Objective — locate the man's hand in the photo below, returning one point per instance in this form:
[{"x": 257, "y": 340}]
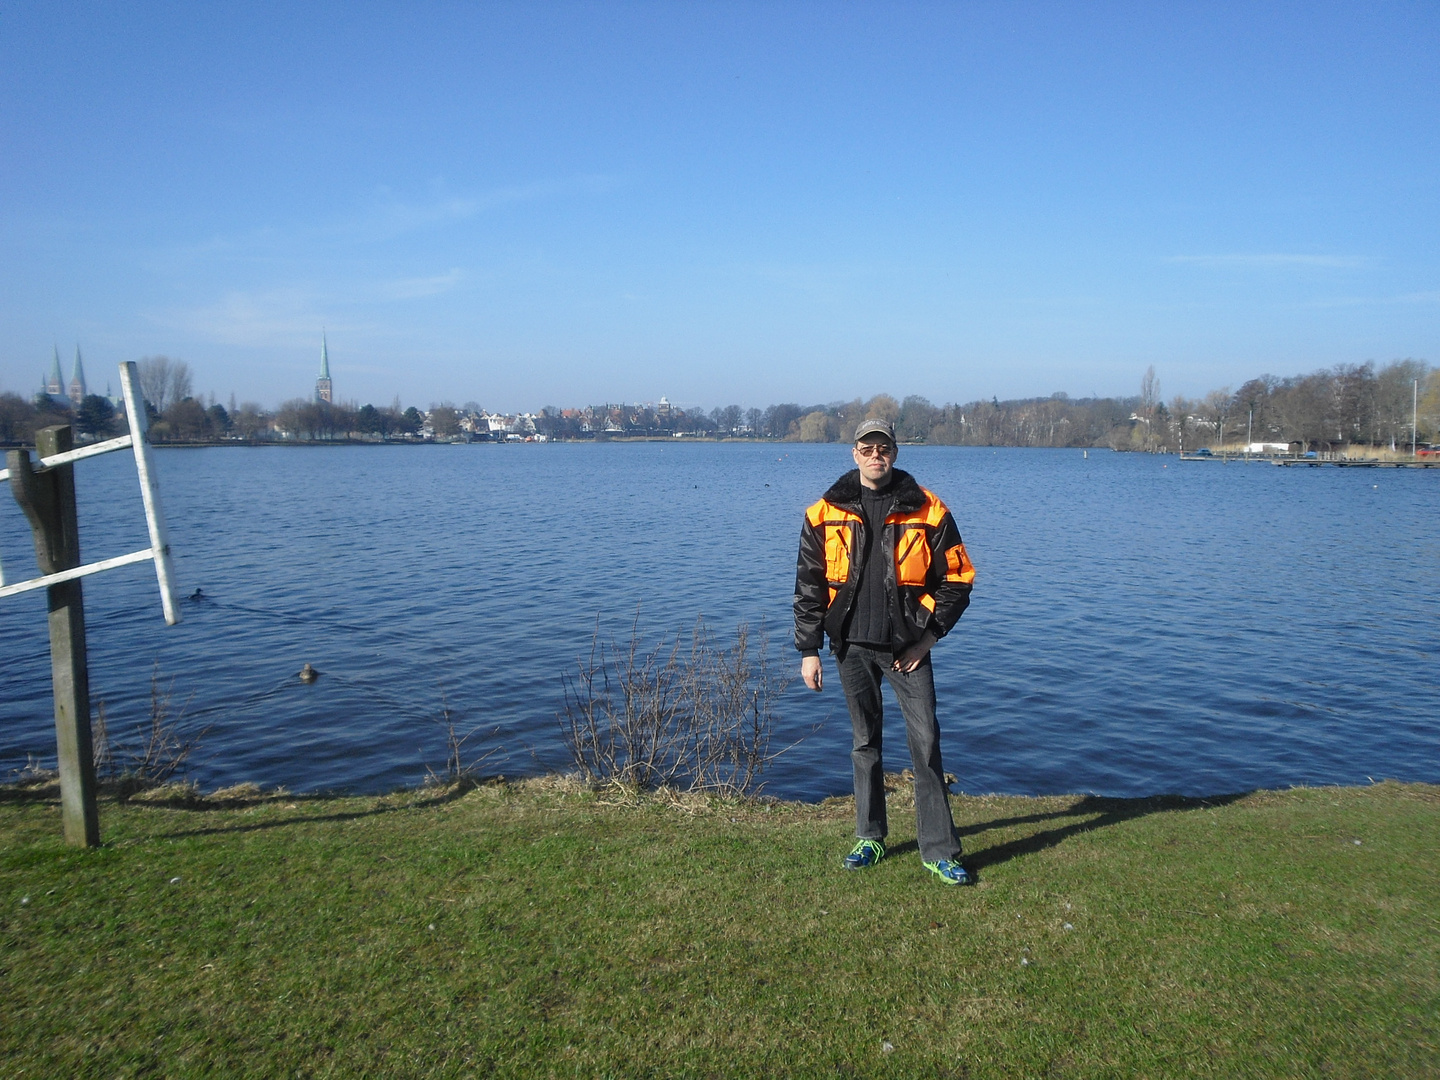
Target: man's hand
[
  {"x": 910, "y": 659},
  {"x": 812, "y": 672}
]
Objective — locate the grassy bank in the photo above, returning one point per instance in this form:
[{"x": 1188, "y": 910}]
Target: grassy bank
[{"x": 541, "y": 930}]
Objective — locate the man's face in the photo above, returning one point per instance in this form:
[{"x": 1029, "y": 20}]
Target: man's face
[{"x": 875, "y": 458}]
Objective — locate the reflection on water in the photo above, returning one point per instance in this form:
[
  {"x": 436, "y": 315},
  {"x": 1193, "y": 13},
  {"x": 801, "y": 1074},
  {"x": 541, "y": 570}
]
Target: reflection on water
[{"x": 1138, "y": 625}]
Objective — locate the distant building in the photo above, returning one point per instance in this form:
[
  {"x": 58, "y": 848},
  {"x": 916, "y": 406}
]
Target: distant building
[
  {"x": 323, "y": 389},
  {"x": 53, "y": 386},
  {"x": 77, "y": 380}
]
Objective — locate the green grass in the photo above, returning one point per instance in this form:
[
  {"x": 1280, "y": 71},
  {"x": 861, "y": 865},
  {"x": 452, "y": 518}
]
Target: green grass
[{"x": 536, "y": 930}]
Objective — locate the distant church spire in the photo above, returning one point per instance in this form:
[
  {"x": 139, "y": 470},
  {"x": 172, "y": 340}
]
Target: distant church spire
[
  {"x": 54, "y": 384},
  {"x": 77, "y": 380},
  {"x": 323, "y": 390}
]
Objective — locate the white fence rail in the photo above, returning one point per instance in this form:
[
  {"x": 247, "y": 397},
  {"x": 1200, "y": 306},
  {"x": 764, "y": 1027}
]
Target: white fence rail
[{"x": 159, "y": 550}]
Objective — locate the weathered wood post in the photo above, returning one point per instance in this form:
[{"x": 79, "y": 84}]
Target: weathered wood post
[{"x": 47, "y": 496}]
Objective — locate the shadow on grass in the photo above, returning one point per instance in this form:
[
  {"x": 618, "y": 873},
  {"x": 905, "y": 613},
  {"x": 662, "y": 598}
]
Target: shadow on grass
[
  {"x": 1098, "y": 813},
  {"x": 1108, "y": 812},
  {"x": 51, "y": 794},
  {"x": 33, "y": 792},
  {"x": 440, "y": 799}
]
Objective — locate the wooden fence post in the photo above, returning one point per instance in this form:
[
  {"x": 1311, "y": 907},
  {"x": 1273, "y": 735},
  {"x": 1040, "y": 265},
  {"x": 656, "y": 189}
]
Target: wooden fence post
[{"x": 48, "y": 498}]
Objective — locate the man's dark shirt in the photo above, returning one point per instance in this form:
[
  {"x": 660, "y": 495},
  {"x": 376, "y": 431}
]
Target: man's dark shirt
[{"x": 870, "y": 618}]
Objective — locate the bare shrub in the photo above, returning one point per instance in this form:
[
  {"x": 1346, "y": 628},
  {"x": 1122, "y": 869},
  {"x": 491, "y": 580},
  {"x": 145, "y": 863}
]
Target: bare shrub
[
  {"x": 101, "y": 752},
  {"x": 157, "y": 755},
  {"x": 456, "y": 769},
  {"x": 699, "y": 716}
]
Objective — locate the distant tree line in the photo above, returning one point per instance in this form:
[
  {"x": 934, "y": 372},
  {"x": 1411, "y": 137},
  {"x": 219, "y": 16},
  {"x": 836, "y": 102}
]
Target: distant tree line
[
  {"x": 602, "y": 421},
  {"x": 1346, "y": 405},
  {"x": 174, "y": 414},
  {"x": 1350, "y": 404}
]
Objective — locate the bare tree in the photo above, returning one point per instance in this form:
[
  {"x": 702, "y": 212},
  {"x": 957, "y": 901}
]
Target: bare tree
[
  {"x": 180, "y": 387},
  {"x": 1353, "y": 387},
  {"x": 778, "y": 418},
  {"x": 444, "y": 420},
  {"x": 163, "y": 381},
  {"x": 1253, "y": 400},
  {"x": 1149, "y": 393},
  {"x": 1429, "y": 407},
  {"x": 155, "y": 381},
  {"x": 726, "y": 419},
  {"x": 917, "y": 417},
  {"x": 17, "y": 418},
  {"x": 250, "y": 420},
  {"x": 1303, "y": 408},
  {"x": 1394, "y": 400},
  {"x": 295, "y": 418},
  {"x": 1216, "y": 410},
  {"x": 1181, "y": 411}
]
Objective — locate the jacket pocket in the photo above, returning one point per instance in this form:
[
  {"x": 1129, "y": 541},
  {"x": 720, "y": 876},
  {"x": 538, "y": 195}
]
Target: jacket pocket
[
  {"x": 837, "y": 553},
  {"x": 912, "y": 557}
]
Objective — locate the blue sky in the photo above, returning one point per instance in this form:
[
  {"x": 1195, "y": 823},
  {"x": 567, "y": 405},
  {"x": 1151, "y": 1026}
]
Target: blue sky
[{"x": 530, "y": 204}]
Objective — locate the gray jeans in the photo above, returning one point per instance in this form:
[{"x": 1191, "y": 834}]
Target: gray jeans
[{"x": 860, "y": 674}]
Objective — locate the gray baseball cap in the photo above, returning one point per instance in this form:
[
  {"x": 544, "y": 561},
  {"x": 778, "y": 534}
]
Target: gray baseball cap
[{"x": 875, "y": 427}]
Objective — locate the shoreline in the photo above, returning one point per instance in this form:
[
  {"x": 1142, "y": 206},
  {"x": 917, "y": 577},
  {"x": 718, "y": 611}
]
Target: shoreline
[
  {"x": 1370, "y": 457},
  {"x": 187, "y": 794}
]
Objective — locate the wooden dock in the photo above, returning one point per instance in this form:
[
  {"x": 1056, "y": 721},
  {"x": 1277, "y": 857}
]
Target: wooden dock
[{"x": 1315, "y": 463}]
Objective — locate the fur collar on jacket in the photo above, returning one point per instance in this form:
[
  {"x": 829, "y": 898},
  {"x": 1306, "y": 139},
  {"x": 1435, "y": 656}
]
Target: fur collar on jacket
[{"x": 908, "y": 495}]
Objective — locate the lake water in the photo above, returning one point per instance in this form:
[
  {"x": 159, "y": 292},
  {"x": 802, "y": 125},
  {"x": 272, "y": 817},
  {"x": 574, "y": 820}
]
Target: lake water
[{"x": 1139, "y": 625}]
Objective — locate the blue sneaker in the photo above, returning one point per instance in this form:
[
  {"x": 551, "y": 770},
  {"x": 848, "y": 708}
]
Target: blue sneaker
[
  {"x": 949, "y": 871},
  {"x": 865, "y": 854}
]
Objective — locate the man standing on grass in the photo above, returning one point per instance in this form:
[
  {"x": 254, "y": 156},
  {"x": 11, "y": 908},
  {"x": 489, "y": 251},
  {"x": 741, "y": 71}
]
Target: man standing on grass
[{"x": 882, "y": 571}]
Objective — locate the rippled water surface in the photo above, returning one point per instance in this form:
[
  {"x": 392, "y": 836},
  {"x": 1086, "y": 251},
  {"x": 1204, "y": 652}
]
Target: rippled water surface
[{"x": 1139, "y": 625}]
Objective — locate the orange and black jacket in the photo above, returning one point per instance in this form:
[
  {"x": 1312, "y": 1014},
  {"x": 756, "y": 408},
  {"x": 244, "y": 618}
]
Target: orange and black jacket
[{"x": 928, "y": 576}]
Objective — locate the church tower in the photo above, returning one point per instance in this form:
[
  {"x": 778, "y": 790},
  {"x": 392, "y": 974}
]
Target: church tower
[
  {"x": 77, "y": 380},
  {"x": 54, "y": 385},
  {"x": 323, "y": 390}
]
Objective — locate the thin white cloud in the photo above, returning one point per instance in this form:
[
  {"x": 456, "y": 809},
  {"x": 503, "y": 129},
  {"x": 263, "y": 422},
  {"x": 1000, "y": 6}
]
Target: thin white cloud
[
  {"x": 272, "y": 317},
  {"x": 281, "y": 316},
  {"x": 1274, "y": 260},
  {"x": 383, "y": 216},
  {"x": 389, "y": 217},
  {"x": 418, "y": 287},
  {"x": 1422, "y": 298}
]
